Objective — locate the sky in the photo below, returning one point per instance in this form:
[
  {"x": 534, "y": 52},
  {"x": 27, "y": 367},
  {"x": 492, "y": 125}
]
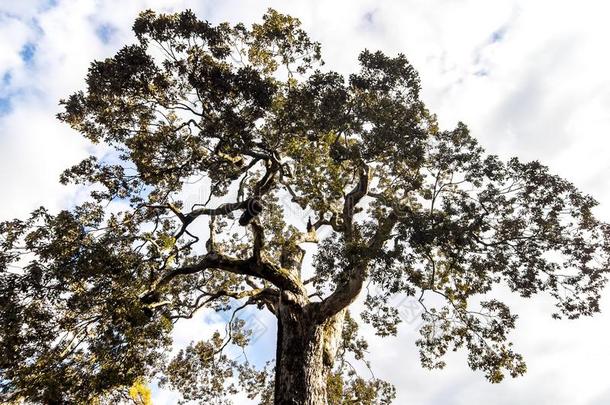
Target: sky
[{"x": 529, "y": 77}]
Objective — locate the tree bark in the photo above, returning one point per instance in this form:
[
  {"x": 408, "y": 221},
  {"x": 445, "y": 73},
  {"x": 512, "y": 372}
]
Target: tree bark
[{"x": 306, "y": 350}]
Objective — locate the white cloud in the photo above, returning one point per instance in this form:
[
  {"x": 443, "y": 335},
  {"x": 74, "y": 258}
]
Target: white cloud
[{"x": 529, "y": 78}]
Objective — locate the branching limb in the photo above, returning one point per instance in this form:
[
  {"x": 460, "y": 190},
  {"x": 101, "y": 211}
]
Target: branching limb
[
  {"x": 247, "y": 267},
  {"x": 259, "y": 240},
  {"x": 265, "y": 296},
  {"x": 352, "y": 199},
  {"x": 348, "y": 290}
]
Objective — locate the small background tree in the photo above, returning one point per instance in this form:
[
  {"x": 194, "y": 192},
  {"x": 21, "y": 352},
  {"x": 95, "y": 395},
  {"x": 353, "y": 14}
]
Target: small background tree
[{"x": 393, "y": 203}]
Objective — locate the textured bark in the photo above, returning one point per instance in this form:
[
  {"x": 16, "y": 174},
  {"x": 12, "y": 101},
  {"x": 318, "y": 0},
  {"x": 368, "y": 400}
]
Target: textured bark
[{"x": 305, "y": 354}]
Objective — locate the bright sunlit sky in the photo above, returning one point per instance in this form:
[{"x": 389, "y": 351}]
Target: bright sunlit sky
[{"x": 529, "y": 77}]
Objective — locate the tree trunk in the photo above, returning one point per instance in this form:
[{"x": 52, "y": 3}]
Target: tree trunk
[{"x": 306, "y": 350}]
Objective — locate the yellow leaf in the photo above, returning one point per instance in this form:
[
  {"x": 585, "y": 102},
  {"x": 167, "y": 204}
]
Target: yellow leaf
[{"x": 140, "y": 393}]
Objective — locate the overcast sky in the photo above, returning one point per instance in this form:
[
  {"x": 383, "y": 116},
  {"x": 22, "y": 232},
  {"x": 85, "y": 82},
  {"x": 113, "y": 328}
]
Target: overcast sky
[{"x": 529, "y": 77}]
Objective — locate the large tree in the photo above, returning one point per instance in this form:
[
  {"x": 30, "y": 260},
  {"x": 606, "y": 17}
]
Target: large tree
[{"x": 89, "y": 295}]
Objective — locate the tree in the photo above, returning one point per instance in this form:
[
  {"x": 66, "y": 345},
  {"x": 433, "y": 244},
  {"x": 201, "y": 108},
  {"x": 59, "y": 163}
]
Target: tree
[{"x": 89, "y": 295}]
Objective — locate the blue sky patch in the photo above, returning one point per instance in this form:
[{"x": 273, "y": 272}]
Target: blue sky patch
[
  {"x": 27, "y": 53},
  {"x": 5, "y": 105},
  {"x": 5, "y": 99},
  {"x": 105, "y": 32},
  {"x": 6, "y": 78}
]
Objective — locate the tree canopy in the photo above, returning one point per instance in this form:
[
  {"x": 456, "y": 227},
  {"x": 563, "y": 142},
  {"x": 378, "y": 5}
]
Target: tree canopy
[{"x": 89, "y": 296}]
